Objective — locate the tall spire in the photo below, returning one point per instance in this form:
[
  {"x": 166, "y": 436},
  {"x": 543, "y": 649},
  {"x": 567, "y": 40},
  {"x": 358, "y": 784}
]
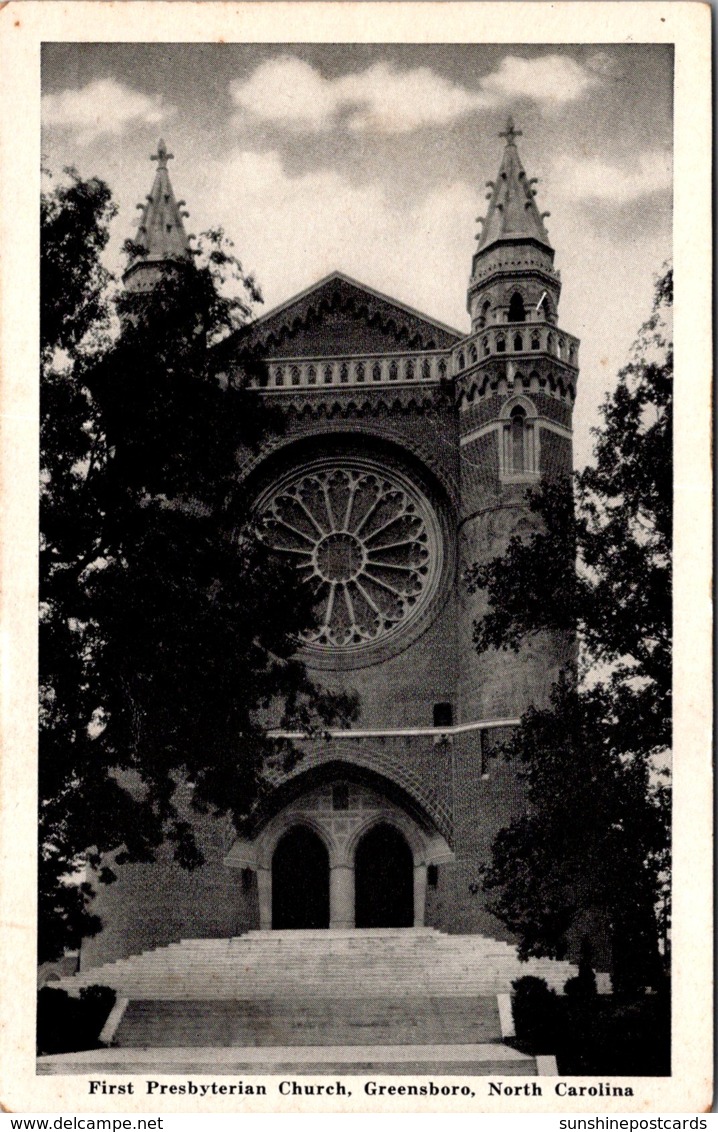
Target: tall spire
[
  {"x": 512, "y": 213},
  {"x": 161, "y": 234}
]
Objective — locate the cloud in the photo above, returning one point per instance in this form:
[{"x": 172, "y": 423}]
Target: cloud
[
  {"x": 546, "y": 79},
  {"x": 320, "y": 223},
  {"x": 104, "y": 106},
  {"x": 290, "y": 93},
  {"x": 388, "y": 101},
  {"x": 287, "y": 91},
  {"x": 592, "y": 179}
]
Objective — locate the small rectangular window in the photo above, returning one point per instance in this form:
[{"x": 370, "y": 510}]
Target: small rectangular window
[
  {"x": 443, "y": 715},
  {"x": 340, "y": 796}
]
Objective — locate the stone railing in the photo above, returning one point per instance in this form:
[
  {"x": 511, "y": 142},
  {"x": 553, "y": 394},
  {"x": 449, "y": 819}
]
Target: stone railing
[
  {"x": 515, "y": 338},
  {"x": 412, "y": 367},
  {"x": 419, "y": 367}
]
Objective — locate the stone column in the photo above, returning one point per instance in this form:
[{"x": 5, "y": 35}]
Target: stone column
[
  {"x": 341, "y": 896},
  {"x": 419, "y": 895},
  {"x": 264, "y": 893}
]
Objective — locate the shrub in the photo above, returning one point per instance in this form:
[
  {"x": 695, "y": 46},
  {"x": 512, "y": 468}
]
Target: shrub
[
  {"x": 65, "y": 1024},
  {"x": 535, "y": 1014}
]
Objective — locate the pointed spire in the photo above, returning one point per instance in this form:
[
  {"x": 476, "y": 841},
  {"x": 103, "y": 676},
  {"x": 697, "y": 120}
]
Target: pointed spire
[
  {"x": 512, "y": 213},
  {"x": 161, "y": 232}
]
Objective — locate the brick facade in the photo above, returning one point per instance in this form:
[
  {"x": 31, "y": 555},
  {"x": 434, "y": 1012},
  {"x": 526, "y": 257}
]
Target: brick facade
[{"x": 454, "y": 430}]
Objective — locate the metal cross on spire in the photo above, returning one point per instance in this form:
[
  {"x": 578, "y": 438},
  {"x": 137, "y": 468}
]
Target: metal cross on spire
[
  {"x": 162, "y": 156},
  {"x": 510, "y": 132}
]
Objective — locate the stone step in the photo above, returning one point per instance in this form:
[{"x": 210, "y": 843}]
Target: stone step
[
  {"x": 326, "y": 965},
  {"x": 189, "y": 1065},
  {"x": 309, "y": 1022},
  {"x": 350, "y": 934},
  {"x": 224, "y": 988},
  {"x": 484, "y": 1059}
]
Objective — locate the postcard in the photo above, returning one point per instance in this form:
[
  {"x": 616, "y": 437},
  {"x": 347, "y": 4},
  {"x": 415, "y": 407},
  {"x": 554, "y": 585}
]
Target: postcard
[{"x": 356, "y": 557}]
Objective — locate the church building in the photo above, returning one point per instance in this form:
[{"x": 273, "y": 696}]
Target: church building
[{"x": 406, "y": 458}]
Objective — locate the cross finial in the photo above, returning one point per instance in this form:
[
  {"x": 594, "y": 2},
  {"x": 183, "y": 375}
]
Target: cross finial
[
  {"x": 162, "y": 156},
  {"x": 510, "y": 133}
]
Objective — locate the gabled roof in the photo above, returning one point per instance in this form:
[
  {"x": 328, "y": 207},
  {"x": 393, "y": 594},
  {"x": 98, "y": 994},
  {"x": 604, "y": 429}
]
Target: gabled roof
[
  {"x": 512, "y": 213},
  {"x": 161, "y": 231},
  {"x": 339, "y": 316}
]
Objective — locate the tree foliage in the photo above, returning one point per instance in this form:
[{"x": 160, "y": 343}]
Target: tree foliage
[
  {"x": 168, "y": 631},
  {"x": 593, "y": 837},
  {"x": 599, "y": 562}
]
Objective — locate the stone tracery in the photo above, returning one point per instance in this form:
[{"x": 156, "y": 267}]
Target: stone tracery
[{"x": 365, "y": 538}]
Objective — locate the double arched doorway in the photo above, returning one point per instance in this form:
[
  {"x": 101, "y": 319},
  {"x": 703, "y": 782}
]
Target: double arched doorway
[
  {"x": 383, "y": 874},
  {"x": 341, "y": 854}
]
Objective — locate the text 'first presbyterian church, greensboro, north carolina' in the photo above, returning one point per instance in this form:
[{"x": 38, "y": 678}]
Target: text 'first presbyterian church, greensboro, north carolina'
[{"x": 407, "y": 454}]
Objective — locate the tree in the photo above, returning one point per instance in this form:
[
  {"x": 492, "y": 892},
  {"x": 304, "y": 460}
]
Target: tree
[
  {"x": 595, "y": 833},
  {"x": 593, "y": 838},
  {"x": 168, "y": 629}
]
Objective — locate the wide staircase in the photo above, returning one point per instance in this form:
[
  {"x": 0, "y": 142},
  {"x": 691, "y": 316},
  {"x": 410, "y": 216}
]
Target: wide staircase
[{"x": 357, "y": 1001}]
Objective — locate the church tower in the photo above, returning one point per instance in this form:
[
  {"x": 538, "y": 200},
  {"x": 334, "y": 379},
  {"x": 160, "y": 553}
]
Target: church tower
[
  {"x": 514, "y": 387},
  {"x": 516, "y": 378},
  {"x": 407, "y": 452}
]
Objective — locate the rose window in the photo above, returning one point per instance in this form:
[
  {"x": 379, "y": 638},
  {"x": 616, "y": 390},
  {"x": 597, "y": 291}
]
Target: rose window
[{"x": 368, "y": 540}]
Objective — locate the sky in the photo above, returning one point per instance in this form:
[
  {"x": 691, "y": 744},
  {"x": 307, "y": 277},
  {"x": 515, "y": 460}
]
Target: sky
[{"x": 372, "y": 159}]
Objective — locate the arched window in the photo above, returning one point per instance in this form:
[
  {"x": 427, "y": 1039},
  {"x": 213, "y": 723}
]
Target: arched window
[
  {"x": 550, "y": 344},
  {"x": 517, "y": 311},
  {"x": 409, "y": 372},
  {"x": 500, "y": 345},
  {"x": 462, "y": 363},
  {"x": 535, "y": 342},
  {"x": 518, "y": 342},
  {"x": 294, "y": 374},
  {"x": 486, "y": 348},
  {"x": 340, "y": 796},
  {"x": 328, "y": 375},
  {"x": 376, "y": 372},
  {"x": 561, "y": 348},
  {"x": 442, "y": 369},
  {"x": 472, "y": 353},
  {"x": 393, "y": 372},
  {"x": 545, "y": 308},
  {"x": 484, "y": 316},
  {"x": 518, "y": 439},
  {"x": 425, "y": 369},
  {"x": 344, "y": 373},
  {"x": 279, "y": 376},
  {"x": 572, "y": 353},
  {"x": 312, "y": 376},
  {"x": 360, "y": 371}
]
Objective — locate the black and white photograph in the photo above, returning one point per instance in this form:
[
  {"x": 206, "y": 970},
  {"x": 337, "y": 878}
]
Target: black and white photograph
[{"x": 355, "y": 553}]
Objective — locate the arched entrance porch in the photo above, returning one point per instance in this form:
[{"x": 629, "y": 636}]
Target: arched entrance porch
[{"x": 377, "y": 853}]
